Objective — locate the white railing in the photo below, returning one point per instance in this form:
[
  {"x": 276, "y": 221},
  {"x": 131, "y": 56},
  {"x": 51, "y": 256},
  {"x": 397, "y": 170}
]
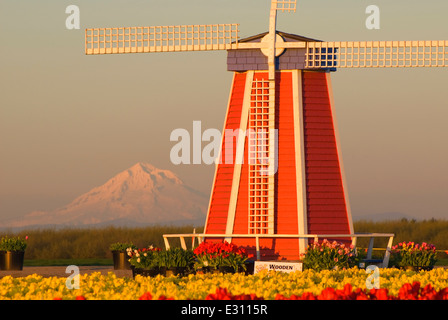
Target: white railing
[{"x": 354, "y": 237}]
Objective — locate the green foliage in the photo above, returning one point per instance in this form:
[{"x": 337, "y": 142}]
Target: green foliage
[
  {"x": 12, "y": 244},
  {"x": 236, "y": 261},
  {"x": 176, "y": 257},
  {"x": 155, "y": 258},
  {"x": 119, "y": 246}
]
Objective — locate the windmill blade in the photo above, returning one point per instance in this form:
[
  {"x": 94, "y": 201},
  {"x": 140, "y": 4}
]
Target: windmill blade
[
  {"x": 286, "y": 5},
  {"x": 377, "y": 54},
  {"x": 161, "y": 39}
]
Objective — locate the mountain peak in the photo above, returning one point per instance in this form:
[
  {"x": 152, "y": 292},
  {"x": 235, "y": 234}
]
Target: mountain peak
[
  {"x": 142, "y": 193},
  {"x": 145, "y": 170},
  {"x": 143, "y": 166}
]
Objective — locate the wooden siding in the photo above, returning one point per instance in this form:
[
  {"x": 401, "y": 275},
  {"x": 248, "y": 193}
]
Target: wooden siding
[
  {"x": 219, "y": 203},
  {"x": 326, "y": 206},
  {"x": 327, "y": 210}
]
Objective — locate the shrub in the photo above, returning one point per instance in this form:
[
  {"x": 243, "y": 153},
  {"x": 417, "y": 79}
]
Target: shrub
[
  {"x": 119, "y": 246},
  {"x": 144, "y": 258},
  {"x": 217, "y": 254},
  {"x": 327, "y": 256},
  {"x": 176, "y": 257},
  {"x": 13, "y": 244},
  {"x": 414, "y": 255}
]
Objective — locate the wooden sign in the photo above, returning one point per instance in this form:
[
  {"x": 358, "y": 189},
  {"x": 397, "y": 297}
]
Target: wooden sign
[{"x": 277, "y": 266}]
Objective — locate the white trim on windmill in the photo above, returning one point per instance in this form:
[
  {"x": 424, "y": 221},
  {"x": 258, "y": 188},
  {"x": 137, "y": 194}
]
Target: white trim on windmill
[{"x": 239, "y": 157}]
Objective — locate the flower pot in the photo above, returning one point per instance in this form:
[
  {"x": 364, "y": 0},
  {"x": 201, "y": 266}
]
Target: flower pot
[
  {"x": 151, "y": 272},
  {"x": 11, "y": 260},
  {"x": 202, "y": 270},
  {"x": 175, "y": 271},
  {"x": 214, "y": 271},
  {"x": 429, "y": 268},
  {"x": 170, "y": 272},
  {"x": 146, "y": 272},
  {"x": 136, "y": 271},
  {"x": 226, "y": 269},
  {"x": 417, "y": 268},
  {"x": 409, "y": 268},
  {"x": 250, "y": 266},
  {"x": 180, "y": 271},
  {"x": 120, "y": 259}
]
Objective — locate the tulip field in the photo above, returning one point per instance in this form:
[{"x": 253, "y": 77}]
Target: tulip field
[{"x": 349, "y": 284}]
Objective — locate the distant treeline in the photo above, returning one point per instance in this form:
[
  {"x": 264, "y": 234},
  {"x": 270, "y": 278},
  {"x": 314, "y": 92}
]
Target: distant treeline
[
  {"x": 81, "y": 243},
  {"x": 431, "y": 231}
]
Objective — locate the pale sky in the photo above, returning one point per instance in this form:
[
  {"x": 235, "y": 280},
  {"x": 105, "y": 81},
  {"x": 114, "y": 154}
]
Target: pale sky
[{"x": 69, "y": 122}]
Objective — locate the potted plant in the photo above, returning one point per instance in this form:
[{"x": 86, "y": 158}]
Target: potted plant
[
  {"x": 329, "y": 255},
  {"x": 176, "y": 261},
  {"x": 206, "y": 257},
  {"x": 12, "y": 252},
  {"x": 234, "y": 261},
  {"x": 119, "y": 255},
  {"x": 220, "y": 256},
  {"x": 144, "y": 261},
  {"x": 414, "y": 256}
]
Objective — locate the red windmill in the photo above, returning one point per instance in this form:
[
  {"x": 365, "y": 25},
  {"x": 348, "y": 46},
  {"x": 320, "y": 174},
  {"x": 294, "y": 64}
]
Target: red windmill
[{"x": 280, "y": 177}]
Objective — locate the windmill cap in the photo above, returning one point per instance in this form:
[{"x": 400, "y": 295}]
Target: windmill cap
[
  {"x": 287, "y": 36},
  {"x": 241, "y": 60}
]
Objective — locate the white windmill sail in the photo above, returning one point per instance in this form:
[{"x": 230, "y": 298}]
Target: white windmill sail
[
  {"x": 161, "y": 39},
  {"x": 377, "y": 54},
  {"x": 285, "y": 5}
]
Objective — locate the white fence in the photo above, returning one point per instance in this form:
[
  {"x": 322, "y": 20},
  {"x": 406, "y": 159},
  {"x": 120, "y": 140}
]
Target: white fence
[{"x": 354, "y": 237}]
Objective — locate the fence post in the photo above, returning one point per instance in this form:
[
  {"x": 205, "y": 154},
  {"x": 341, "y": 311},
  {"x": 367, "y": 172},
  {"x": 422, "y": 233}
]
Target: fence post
[
  {"x": 182, "y": 243},
  {"x": 193, "y": 238},
  {"x": 167, "y": 244},
  {"x": 257, "y": 247},
  {"x": 354, "y": 242},
  {"x": 387, "y": 253},
  {"x": 369, "y": 251}
]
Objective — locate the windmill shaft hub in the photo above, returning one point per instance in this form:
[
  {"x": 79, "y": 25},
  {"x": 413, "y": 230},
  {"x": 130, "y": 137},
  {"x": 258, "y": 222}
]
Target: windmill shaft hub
[{"x": 266, "y": 45}]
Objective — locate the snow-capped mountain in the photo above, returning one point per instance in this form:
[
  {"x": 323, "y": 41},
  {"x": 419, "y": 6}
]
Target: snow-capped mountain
[{"x": 142, "y": 194}]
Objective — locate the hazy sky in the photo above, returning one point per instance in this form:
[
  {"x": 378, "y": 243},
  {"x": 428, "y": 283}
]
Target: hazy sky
[{"x": 69, "y": 122}]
